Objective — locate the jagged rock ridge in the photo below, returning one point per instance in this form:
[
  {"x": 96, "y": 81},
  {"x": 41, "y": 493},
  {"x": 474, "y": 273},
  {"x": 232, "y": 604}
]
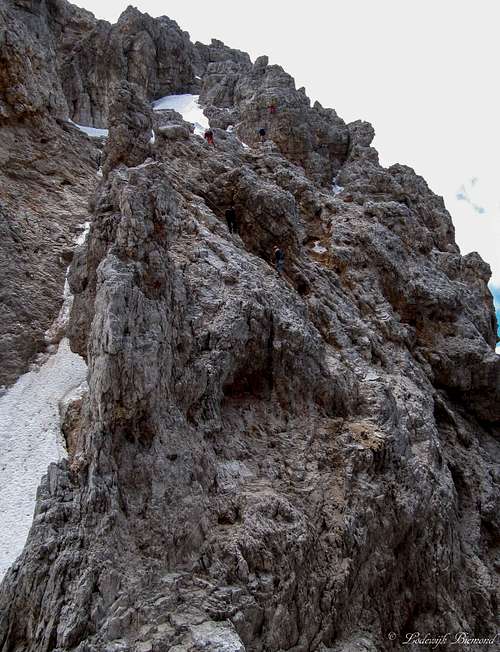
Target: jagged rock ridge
[{"x": 262, "y": 462}]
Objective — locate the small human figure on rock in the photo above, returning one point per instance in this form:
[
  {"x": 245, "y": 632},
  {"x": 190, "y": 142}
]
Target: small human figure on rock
[
  {"x": 262, "y": 134},
  {"x": 279, "y": 259},
  {"x": 272, "y": 107},
  {"x": 232, "y": 222},
  {"x": 209, "y": 137}
]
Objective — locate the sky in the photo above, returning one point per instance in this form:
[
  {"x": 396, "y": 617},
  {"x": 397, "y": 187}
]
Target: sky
[{"x": 423, "y": 72}]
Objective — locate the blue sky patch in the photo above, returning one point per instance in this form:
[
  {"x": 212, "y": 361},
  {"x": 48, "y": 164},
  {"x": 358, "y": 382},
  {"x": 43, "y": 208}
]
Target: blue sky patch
[{"x": 495, "y": 291}]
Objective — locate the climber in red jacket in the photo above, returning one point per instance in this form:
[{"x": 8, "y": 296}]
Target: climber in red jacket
[
  {"x": 209, "y": 137},
  {"x": 272, "y": 107}
]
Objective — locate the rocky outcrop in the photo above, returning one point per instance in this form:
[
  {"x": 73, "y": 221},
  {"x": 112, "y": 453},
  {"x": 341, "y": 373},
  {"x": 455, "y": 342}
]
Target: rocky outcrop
[
  {"x": 440, "y": 294},
  {"x": 265, "y": 462},
  {"x": 264, "y": 97},
  {"x": 152, "y": 53},
  {"x": 217, "y": 51},
  {"x": 130, "y": 129},
  {"x": 86, "y": 58},
  {"x": 29, "y": 86},
  {"x": 46, "y": 167}
]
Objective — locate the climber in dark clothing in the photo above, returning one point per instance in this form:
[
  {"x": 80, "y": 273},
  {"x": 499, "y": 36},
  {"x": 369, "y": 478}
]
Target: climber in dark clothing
[
  {"x": 279, "y": 259},
  {"x": 232, "y": 223},
  {"x": 209, "y": 137},
  {"x": 262, "y": 134}
]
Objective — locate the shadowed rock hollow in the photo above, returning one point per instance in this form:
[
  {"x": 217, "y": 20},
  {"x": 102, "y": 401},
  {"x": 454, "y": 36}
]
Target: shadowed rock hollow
[{"x": 262, "y": 462}]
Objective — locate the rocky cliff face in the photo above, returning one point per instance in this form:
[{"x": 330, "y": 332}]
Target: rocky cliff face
[
  {"x": 262, "y": 462},
  {"x": 151, "y": 52},
  {"x": 46, "y": 168}
]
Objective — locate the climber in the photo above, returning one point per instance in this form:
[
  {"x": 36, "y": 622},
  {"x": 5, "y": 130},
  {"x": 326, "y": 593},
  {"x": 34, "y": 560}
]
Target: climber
[
  {"x": 262, "y": 134},
  {"x": 209, "y": 137},
  {"x": 279, "y": 259},
  {"x": 272, "y": 107},
  {"x": 232, "y": 223}
]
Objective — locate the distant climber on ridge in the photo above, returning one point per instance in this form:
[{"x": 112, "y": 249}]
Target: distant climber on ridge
[
  {"x": 262, "y": 134},
  {"x": 232, "y": 223},
  {"x": 209, "y": 137},
  {"x": 279, "y": 259}
]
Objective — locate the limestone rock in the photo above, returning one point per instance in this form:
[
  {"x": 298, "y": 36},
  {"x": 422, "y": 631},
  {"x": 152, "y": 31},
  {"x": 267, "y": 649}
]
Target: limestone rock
[
  {"x": 262, "y": 461},
  {"x": 313, "y": 137},
  {"x": 45, "y": 173},
  {"x": 130, "y": 128},
  {"x": 29, "y": 86},
  {"x": 151, "y": 53}
]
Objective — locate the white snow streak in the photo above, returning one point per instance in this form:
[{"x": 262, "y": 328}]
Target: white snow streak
[
  {"x": 230, "y": 130},
  {"x": 188, "y": 106},
  {"x": 318, "y": 248},
  {"x": 30, "y": 435},
  {"x": 93, "y": 132},
  {"x": 30, "y": 440},
  {"x": 61, "y": 320},
  {"x": 335, "y": 188}
]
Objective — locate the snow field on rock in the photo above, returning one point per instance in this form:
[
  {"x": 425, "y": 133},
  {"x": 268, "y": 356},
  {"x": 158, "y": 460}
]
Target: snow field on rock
[
  {"x": 93, "y": 132},
  {"x": 30, "y": 434},
  {"x": 188, "y": 106}
]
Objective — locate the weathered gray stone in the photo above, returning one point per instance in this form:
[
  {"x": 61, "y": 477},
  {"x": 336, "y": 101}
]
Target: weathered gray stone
[
  {"x": 152, "y": 53},
  {"x": 130, "y": 128},
  {"x": 46, "y": 170},
  {"x": 264, "y": 462},
  {"x": 313, "y": 137}
]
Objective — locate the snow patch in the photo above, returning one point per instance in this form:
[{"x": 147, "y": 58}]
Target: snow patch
[
  {"x": 30, "y": 439},
  {"x": 231, "y": 130},
  {"x": 93, "y": 132},
  {"x": 319, "y": 248},
  {"x": 59, "y": 325},
  {"x": 153, "y": 138},
  {"x": 79, "y": 240},
  {"x": 30, "y": 431},
  {"x": 336, "y": 189},
  {"x": 188, "y": 106}
]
